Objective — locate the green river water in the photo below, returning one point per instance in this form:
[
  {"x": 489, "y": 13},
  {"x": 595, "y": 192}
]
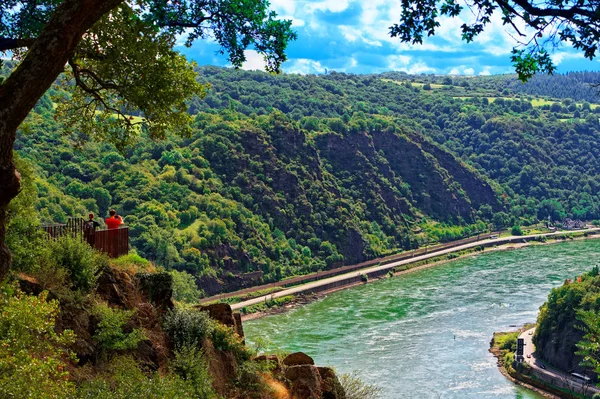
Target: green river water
[{"x": 426, "y": 334}]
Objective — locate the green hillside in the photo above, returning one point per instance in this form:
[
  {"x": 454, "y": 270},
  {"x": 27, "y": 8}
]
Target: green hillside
[{"x": 287, "y": 174}]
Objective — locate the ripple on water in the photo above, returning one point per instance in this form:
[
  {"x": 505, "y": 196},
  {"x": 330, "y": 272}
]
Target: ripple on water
[{"x": 426, "y": 334}]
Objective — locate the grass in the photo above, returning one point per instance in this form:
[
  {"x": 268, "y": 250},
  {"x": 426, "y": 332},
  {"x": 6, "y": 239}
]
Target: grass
[
  {"x": 490, "y": 99},
  {"x": 503, "y": 339},
  {"x": 193, "y": 226},
  {"x": 415, "y": 84}
]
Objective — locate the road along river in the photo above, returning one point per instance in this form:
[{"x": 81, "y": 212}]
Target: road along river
[{"x": 426, "y": 334}]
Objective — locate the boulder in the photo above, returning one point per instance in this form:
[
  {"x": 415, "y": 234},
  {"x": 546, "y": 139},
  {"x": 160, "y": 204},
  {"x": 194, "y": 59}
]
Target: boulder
[
  {"x": 222, "y": 313},
  {"x": 305, "y": 381},
  {"x": 330, "y": 384},
  {"x": 298, "y": 359}
]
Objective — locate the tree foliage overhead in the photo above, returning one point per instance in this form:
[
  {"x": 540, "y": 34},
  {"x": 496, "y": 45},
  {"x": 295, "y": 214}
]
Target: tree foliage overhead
[
  {"x": 121, "y": 64},
  {"x": 125, "y": 64},
  {"x": 539, "y": 26}
]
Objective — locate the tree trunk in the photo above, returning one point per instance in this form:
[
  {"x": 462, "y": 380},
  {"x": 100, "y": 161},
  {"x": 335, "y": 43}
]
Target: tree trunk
[{"x": 19, "y": 93}]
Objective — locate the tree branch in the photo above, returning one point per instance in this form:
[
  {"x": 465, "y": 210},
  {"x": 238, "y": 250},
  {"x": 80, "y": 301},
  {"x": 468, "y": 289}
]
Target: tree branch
[
  {"x": 566, "y": 13},
  {"x": 7, "y": 43}
]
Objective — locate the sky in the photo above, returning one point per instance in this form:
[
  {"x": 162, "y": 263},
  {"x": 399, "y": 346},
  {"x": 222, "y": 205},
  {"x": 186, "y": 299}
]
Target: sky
[{"x": 352, "y": 36}]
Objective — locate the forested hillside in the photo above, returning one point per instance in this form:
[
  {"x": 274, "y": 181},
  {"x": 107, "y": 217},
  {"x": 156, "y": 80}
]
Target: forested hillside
[{"x": 287, "y": 174}]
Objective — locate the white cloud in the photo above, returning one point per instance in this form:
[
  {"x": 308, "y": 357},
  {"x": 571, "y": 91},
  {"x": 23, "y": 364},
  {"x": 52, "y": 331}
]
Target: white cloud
[
  {"x": 296, "y": 22},
  {"x": 486, "y": 71},
  {"x": 327, "y": 5},
  {"x": 303, "y": 66},
  {"x": 396, "y": 62},
  {"x": 469, "y": 71},
  {"x": 560, "y": 56},
  {"x": 417, "y": 68},
  {"x": 286, "y": 7},
  {"x": 254, "y": 61},
  {"x": 454, "y": 71},
  {"x": 405, "y": 63},
  {"x": 352, "y": 35}
]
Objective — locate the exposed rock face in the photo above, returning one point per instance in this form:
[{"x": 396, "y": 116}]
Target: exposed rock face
[
  {"x": 298, "y": 359},
  {"x": 559, "y": 349},
  {"x": 222, "y": 365},
  {"x": 305, "y": 380},
  {"x": 330, "y": 384},
  {"x": 156, "y": 288},
  {"x": 222, "y": 313}
]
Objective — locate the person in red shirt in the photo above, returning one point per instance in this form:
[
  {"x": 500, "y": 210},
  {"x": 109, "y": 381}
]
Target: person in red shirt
[{"x": 114, "y": 220}]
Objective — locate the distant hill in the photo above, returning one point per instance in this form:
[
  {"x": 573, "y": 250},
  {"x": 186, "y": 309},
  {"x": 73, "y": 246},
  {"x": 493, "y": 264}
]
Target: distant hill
[{"x": 286, "y": 174}]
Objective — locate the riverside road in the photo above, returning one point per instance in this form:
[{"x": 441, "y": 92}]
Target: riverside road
[
  {"x": 550, "y": 374},
  {"x": 351, "y": 277}
]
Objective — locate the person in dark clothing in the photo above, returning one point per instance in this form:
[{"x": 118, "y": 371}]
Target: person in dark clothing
[{"x": 89, "y": 229}]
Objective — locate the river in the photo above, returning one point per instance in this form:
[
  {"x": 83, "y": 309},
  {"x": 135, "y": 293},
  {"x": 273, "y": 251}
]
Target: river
[{"x": 426, "y": 334}]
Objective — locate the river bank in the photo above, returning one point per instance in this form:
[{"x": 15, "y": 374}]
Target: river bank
[
  {"x": 306, "y": 298},
  {"x": 507, "y": 370}
]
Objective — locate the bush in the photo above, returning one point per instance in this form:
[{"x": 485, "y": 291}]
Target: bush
[
  {"x": 185, "y": 288},
  {"x": 32, "y": 355},
  {"x": 187, "y": 327},
  {"x": 355, "y": 388},
  {"x": 191, "y": 365},
  {"x": 127, "y": 381},
  {"x": 81, "y": 261},
  {"x": 225, "y": 339},
  {"x": 516, "y": 230},
  {"x": 133, "y": 263},
  {"x": 109, "y": 332}
]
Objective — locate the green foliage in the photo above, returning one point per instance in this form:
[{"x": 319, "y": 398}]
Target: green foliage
[
  {"x": 133, "y": 263},
  {"x": 237, "y": 197},
  {"x": 110, "y": 334},
  {"x": 226, "y": 339},
  {"x": 81, "y": 261},
  {"x": 188, "y": 327},
  {"x": 24, "y": 237},
  {"x": 569, "y": 309},
  {"x": 516, "y": 230},
  {"x": 33, "y": 356},
  {"x": 589, "y": 346},
  {"x": 191, "y": 365},
  {"x": 185, "y": 288},
  {"x": 507, "y": 342},
  {"x": 271, "y": 303},
  {"x": 577, "y": 26},
  {"x": 125, "y": 380}
]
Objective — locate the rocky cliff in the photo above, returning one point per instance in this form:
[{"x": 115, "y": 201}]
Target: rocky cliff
[
  {"x": 558, "y": 329},
  {"x": 148, "y": 295}
]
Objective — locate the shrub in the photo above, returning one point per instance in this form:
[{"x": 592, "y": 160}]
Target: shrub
[
  {"x": 109, "y": 333},
  {"x": 225, "y": 339},
  {"x": 81, "y": 261},
  {"x": 191, "y": 365},
  {"x": 516, "y": 230},
  {"x": 185, "y": 288},
  {"x": 127, "y": 381},
  {"x": 510, "y": 343},
  {"x": 187, "y": 327},
  {"x": 32, "y": 355},
  {"x": 133, "y": 263},
  {"x": 364, "y": 278},
  {"x": 354, "y": 388}
]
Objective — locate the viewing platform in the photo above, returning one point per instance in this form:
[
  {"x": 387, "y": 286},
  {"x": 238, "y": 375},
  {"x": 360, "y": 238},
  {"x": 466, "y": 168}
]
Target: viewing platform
[{"x": 113, "y": 242}]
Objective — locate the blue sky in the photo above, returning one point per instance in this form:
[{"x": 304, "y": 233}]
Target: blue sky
[{"x": 352, "y": 36}]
